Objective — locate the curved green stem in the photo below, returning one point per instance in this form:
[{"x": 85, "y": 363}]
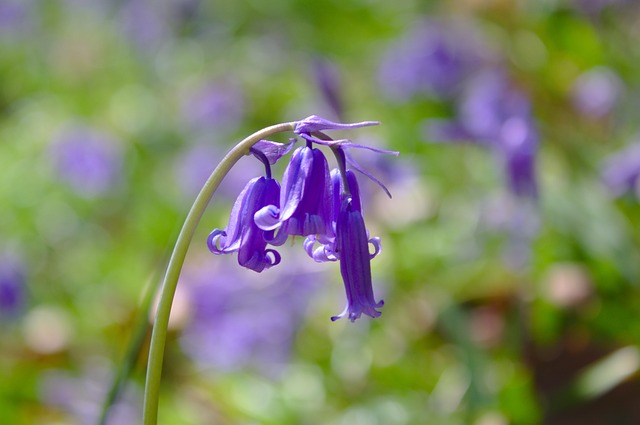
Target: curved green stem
[{"x": 159, "y": 334}]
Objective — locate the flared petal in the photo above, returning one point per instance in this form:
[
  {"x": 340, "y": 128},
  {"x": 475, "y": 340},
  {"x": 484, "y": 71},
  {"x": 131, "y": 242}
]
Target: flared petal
[{"x": 321, "y": 254}]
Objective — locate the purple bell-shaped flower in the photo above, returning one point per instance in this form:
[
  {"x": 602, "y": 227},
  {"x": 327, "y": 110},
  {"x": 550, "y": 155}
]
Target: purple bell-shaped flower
[{"x": 351, "y": 248}]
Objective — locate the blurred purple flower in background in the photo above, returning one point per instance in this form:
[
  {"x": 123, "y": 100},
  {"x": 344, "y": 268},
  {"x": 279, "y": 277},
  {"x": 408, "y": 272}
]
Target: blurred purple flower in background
[
  {"x": 81, "y": 396},
  {"x": 12, "y": 287},
  {"x": 145, "y": 24},
  {"x": 194, "y": 166},
  {"x": 240, "y": 319},
  {"x": 595, "y": 7},
  {"x": 16, "y": 18},
  {"x": 519, "y": 146},
  {"x": 494, "y": 114},
  {"x": 621, "y": 171},
  {"x": 327, "y": 77},
  {"x": 433, "y": 59},
  {"x": 88, "y": 160},
  {"x": 213, "y": 106},
  {"x": 596, "y": 91}
]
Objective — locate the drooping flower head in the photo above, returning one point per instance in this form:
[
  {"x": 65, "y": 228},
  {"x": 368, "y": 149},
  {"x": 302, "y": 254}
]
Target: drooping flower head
[{"x": 324, "y": 207}]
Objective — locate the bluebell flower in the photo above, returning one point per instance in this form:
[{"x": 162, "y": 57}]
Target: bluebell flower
[
  {"x": 324, "y": 207},
  {"x": 350, "y": 247},
  {"x": 242, "y": 235},
  {"x": 304, "y": 207}
]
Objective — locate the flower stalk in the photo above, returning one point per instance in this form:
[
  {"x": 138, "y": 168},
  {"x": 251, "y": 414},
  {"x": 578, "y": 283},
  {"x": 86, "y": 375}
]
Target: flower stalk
[{"x": 170, "y": 282}]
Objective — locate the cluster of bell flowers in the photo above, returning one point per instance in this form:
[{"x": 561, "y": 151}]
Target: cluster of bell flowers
[{"x": 312, "y": 202}]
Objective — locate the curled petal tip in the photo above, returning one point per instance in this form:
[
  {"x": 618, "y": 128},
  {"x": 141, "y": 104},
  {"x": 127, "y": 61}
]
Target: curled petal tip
[
  {"x": 267, "y": 218},
  {"x": 272, "y": 257},
  {"x": 212, "y": 240}
]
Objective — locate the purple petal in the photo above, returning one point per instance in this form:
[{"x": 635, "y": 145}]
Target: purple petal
[
  {"x": 321, "y": 254},
  {"x": 354, "y": 164},
  {"x": 313, "y": 214},
  {"x": 355, "y": 266},
  {"x": 252, "y": 253},
  {"x": 229, "y": 239},
  {"x": 294, "y": 181},
  {"x": 267, "y": 218},
  {"x": 274, "y": 150},
  {"x": 315, "y": 123},
  {"x": 346, "y": 143},
  {"x": 377, "y": 246},
  {"x": 352, "y": 248}
]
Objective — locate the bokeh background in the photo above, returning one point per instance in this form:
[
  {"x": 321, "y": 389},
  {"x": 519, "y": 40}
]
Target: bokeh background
[{"x": 511, "y": 252}]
